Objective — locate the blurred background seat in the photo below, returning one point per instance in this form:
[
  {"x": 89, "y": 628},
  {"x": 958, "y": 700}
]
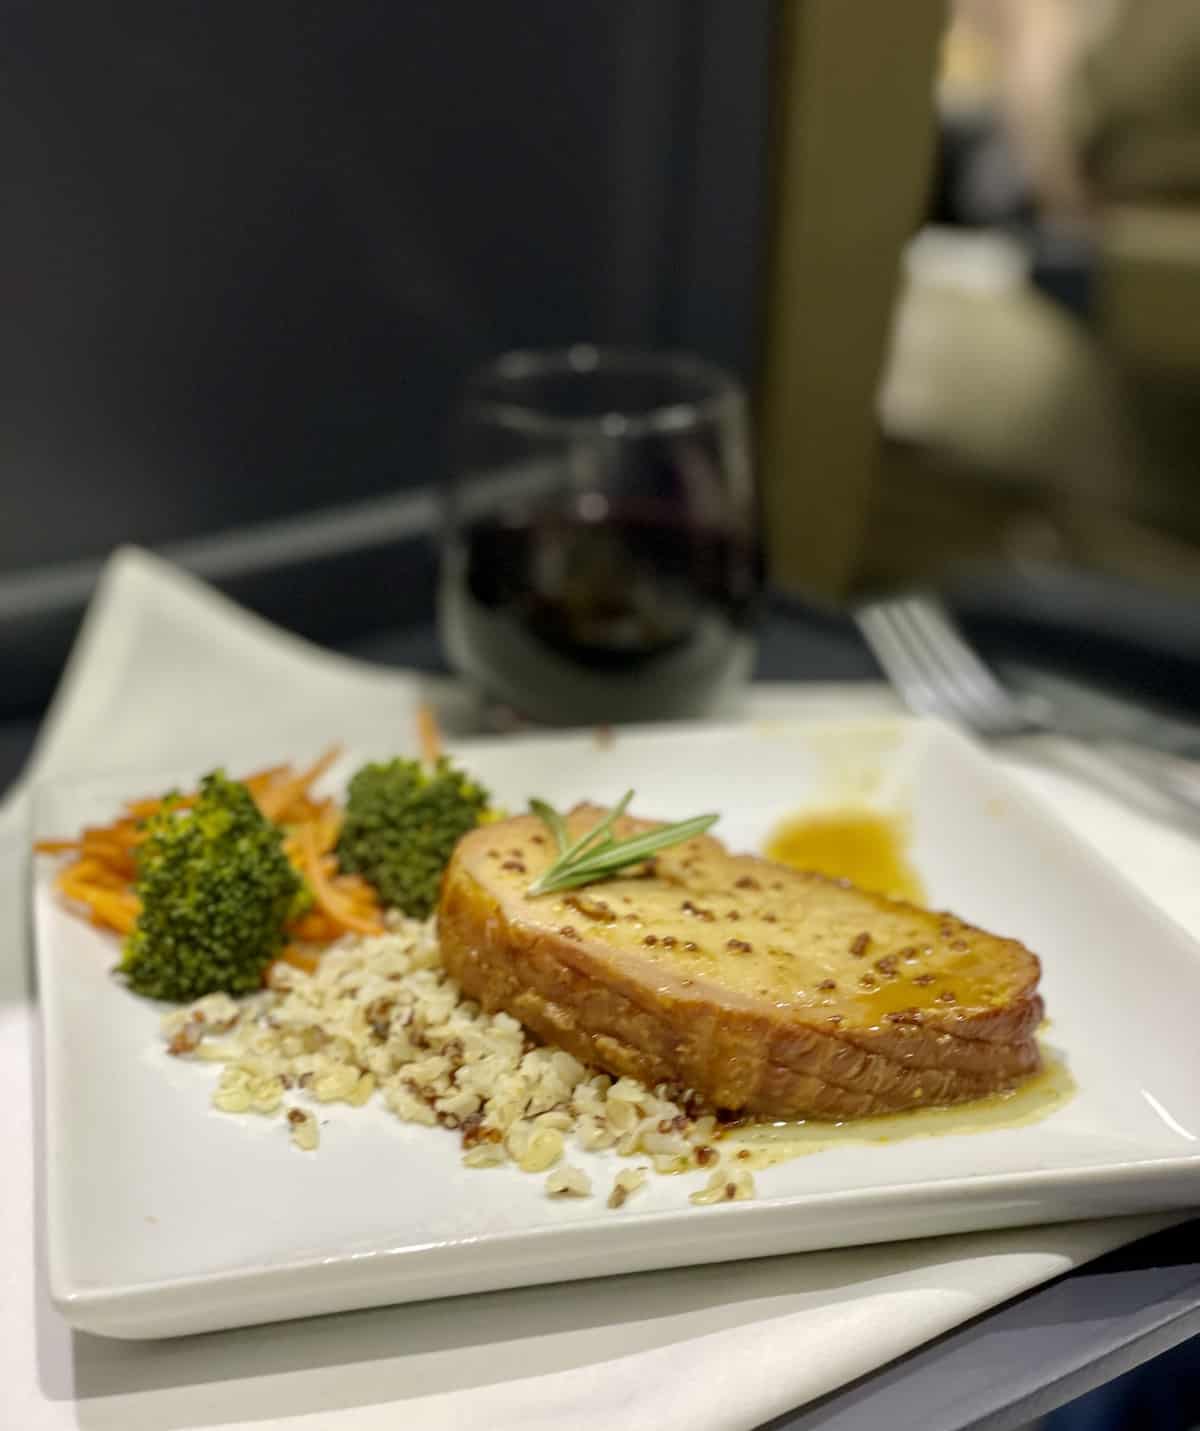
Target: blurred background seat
[{"x": 1041, "y": 401}]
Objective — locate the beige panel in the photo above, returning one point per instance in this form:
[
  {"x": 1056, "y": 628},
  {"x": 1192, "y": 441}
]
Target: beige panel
[
  {"x": 852, "y": 145},
  {"x": 1149, "y": 297}
]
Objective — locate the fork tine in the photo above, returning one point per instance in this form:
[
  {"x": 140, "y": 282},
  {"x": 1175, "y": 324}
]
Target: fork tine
[
  {"x": 952, "y": 701},
  {"x": 909, "y": 676},
  {"x": 934, "y": 669},
  {"x": 936, "y": 672},
  {"x": 954, "y": 704},
  {"x": 939, "y": 632},
  {"x": 961, "y": 694},
  {"x": 971, "y": 686}
]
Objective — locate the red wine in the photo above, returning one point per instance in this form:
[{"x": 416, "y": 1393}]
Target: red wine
[{"x": 637, "y": 617}]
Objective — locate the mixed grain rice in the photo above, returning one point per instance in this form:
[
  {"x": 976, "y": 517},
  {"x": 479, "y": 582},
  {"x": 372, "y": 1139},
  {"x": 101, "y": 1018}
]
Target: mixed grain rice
[{"x": 380, "y": 1020}]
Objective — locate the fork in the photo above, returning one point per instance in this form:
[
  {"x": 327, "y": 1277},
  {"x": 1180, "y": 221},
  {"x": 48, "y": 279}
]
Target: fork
[{"x": 936, "y": 672}]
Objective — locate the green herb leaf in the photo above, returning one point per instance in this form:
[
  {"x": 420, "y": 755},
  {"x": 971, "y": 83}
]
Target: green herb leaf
[
  {"x": 598, "y": 832},
  {"x": 596, "y": 855},
  {"x": 555, "y": 822}
]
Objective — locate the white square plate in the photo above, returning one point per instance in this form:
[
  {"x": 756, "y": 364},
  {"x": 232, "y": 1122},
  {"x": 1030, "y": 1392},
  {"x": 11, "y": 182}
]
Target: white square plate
[{"x": 165, "y": 1216}]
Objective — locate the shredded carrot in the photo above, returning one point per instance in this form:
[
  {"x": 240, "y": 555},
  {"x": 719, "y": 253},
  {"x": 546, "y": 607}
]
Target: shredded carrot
[
  {"x": 298, "y": 958},
  {"x": 328, "y": 828},
  {"x": 113, "y": 908},
  {"x": 257, "y": 782},
  {"x": 315, "y": 927},
  {"x": 143, "y": 809},
  {"x": 260, "y": 779},
  {"x": 101, "y": 874},
  {"x": 117, "y": 840},
  {"x": 327, "y": 896},
  {"x": 115, "y": 853},
  {"x": 90, "y": 870},
  {"x": 282, "y": 793},
  {"x": 429, "y": 735}
]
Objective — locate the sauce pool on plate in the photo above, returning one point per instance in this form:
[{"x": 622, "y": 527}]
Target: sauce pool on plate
[
  {"x": 760, "y": 1145},
  {"x": 863, "y": 846}
]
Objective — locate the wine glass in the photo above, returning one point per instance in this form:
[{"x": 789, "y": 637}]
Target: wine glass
[{"x": 601, "y": 559}]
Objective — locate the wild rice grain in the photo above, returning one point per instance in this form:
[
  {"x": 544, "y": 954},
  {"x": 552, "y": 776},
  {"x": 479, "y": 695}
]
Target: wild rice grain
[
  {"x": 568, "y": 1182},
  {"x": 381, "y": 1021}
]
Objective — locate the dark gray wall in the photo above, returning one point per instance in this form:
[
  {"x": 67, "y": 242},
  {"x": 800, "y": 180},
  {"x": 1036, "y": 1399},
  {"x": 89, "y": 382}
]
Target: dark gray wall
[{"x": 248, "y": 249}]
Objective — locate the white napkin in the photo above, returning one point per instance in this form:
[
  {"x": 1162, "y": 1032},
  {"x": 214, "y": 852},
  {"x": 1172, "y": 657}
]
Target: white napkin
[{"x": 168, "y": 672}]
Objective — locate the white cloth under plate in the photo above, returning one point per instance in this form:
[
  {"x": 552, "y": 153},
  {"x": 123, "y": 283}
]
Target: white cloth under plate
[{"x": 167, "y": 673}]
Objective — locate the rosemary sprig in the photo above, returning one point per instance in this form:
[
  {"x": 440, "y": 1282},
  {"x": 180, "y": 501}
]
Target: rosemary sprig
[
  {"x": 557, "y": 825},
  {"x": 597, "y": 854}
]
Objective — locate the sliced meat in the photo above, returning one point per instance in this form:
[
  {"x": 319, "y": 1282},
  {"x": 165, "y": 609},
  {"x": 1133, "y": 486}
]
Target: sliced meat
[{"x": 763, "y": 989}]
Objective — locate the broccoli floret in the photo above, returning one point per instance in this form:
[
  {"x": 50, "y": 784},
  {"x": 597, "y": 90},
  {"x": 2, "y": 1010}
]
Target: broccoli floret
[
  {"x": 215, "y": 889},
  {"x": 402, "y": 821}
]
